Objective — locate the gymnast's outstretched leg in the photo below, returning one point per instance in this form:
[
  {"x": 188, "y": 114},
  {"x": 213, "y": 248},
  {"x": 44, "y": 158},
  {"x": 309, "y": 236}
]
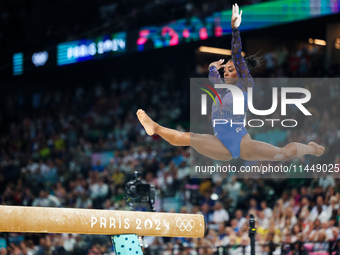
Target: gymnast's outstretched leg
[
  {"x": 205, "y": 144},
  {"x": 253, "y": 150}
]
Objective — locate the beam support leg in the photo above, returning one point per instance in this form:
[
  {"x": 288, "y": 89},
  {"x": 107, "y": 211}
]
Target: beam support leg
[{"x": 126, "y": 244}]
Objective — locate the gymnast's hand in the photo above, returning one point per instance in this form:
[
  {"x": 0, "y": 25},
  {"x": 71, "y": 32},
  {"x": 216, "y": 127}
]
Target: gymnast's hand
[
  {"x": 236, "y": 17},
  {"x": 217, "y": 64}
]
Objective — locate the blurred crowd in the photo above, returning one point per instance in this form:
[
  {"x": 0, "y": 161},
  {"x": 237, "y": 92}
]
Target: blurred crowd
[{"x": 299, "y": 61}]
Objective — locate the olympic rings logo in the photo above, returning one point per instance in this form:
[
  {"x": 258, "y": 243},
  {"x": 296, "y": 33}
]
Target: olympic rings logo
[
  {"x": 40, "y": 58},
  {"x": 185, "y": 224}
]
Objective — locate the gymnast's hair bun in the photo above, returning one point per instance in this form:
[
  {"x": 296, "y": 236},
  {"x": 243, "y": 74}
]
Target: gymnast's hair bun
[{"x": 253, "y": 61}]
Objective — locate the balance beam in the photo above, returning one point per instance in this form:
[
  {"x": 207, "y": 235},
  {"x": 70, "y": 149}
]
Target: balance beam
[{"x": 99, "y": 222}]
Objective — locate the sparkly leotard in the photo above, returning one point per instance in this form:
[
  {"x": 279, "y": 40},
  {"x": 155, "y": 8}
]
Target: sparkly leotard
[{"x": 231, "y": 136}]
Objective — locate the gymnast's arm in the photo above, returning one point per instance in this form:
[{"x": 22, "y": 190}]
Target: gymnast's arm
[
  {"x": 245, "y": 79},
  {"x": 214, "y": 75}
]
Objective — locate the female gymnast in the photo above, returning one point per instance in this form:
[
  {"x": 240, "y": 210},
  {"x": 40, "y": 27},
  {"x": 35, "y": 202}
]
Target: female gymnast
[{"x": 230, "y": 142}]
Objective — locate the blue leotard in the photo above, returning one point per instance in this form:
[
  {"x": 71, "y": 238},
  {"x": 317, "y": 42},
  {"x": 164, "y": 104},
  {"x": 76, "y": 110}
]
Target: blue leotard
[{"x": 231, "y": 136}]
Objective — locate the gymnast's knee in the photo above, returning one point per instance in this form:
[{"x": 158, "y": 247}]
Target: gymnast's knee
[
  {"x": 187, "y": 138},
  {"x": 181, "y": 141},
  {"x": 287, "y": 154},
  {"x": 192, "y": 135}
]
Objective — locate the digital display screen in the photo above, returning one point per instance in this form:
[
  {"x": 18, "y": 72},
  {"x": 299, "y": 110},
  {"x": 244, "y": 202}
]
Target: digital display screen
[
  {"x": 191, "y": 29},
  {"x": 86, "y": 49},
  {"x": 254, "y": 17},
  {"x": 174, "y": 33}
]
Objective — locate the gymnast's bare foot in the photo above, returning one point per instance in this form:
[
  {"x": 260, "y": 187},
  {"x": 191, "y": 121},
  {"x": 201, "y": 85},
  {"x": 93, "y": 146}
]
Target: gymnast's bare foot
[
  {"x": 319, "y": 150},
  {"x": 147, "y": 122}
]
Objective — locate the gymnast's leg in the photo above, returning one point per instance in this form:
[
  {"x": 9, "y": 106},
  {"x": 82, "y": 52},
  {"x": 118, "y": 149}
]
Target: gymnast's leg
[
  {"x": 253, "y": 150},
  {"x": 205, "y": 144}
]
